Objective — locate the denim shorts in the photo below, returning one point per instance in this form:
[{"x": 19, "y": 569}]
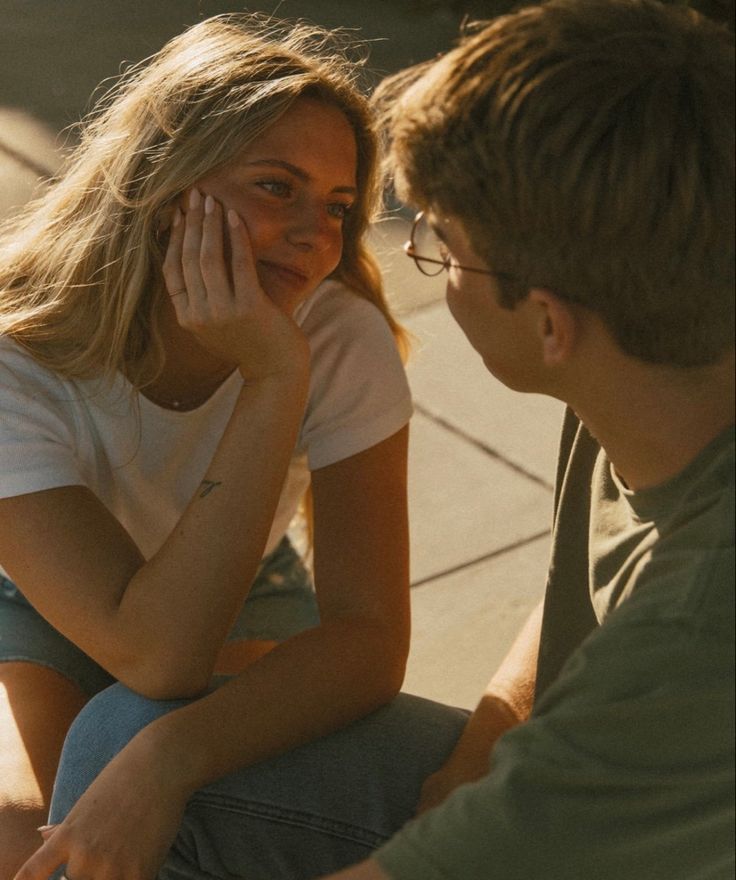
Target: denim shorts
[{"x": 280, "y": 604}]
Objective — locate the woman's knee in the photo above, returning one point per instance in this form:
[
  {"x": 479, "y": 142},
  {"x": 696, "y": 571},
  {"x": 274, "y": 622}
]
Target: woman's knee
[
  {"x": 102, "y": 729},
  {"x": 112, "y": 718}
]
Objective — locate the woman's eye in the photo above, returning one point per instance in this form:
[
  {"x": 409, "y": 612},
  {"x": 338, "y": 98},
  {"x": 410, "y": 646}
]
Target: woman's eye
[
  {"x": 339, "y": 210},
  {"x": 276, "y": 187}
]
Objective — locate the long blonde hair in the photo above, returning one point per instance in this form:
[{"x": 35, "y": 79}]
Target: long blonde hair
[{"x": 80, "y": 268}]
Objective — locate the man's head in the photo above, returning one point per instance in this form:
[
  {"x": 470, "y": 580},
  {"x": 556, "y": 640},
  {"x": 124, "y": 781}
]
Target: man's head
[{"x": 586, "y": 147}]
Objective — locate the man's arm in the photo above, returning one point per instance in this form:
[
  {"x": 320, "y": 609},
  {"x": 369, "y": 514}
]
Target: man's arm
[
  {"x": 507, "y": 701},
  {"x": 368, "y": 870}
]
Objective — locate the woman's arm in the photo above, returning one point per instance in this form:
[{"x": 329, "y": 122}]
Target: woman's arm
[
  {"x": 308, "y": 686},
  {"x": 326, "y": 677},
  {"x": 157, "y": 625}
]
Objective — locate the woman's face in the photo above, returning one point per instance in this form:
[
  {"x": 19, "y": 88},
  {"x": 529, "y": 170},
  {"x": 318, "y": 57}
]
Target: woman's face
[{"x": 293, "y": 187}]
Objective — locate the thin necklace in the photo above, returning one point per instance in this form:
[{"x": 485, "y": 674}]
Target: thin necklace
[{"x": 191, "y": 402}]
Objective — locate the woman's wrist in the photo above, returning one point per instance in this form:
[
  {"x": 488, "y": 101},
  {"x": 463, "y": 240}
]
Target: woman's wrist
[
  {"x": 173, "y": 757},
  {"x": 291, "y": 366},
  {"x": 288, "y": 383}
]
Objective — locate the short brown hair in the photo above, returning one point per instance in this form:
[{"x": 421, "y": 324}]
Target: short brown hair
[{"x": 587, "y": 146}]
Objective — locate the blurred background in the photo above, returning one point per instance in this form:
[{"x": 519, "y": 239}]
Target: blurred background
[{"x": 53, "y": 53}]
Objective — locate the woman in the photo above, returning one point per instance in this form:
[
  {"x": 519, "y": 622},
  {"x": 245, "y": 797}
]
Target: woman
[{"x": 191, "y": 332}]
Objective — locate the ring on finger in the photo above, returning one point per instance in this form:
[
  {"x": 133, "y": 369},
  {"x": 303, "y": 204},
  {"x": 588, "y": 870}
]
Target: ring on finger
[{"x": 176, "y": 293}]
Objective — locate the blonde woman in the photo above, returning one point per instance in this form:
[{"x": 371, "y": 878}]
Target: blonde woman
[{"x": 192, "y": 333}]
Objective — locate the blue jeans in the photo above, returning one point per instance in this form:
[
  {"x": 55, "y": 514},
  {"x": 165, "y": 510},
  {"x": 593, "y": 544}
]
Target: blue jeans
[{"x": 311, "y": 811}]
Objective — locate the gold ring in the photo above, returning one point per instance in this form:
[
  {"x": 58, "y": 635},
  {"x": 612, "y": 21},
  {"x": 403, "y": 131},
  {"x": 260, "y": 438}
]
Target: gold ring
[{"x": 178, "y": 292}]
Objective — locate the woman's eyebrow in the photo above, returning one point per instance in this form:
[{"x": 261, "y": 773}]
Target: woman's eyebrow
[{"x": 299, "y": 173}]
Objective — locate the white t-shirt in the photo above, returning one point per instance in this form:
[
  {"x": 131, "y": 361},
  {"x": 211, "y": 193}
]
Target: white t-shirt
[{"x": 145, "y": 462}]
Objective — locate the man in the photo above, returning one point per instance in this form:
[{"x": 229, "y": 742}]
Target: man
[{"x": 575, "y": 163}]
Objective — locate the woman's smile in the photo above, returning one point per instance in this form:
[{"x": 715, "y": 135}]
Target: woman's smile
[
  {"x": 293, "y": 187},
  {"x": 282, "y": 273}
]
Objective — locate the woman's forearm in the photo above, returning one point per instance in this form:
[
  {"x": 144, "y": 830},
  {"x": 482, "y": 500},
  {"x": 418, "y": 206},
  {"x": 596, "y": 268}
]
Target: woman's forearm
[
  {"x": 309, "y": 686},
  {"x": 178, "y": 607}
]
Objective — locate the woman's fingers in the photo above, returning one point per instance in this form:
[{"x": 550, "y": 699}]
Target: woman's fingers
[
  {"x": 212, "y": 279},
  {"x": 172, "y": 267},
  {"x": 212, "y": 256},
  {"x": 46, "y": 831},
  {"x": 42, "y": 863},
  {"x": 245, "y": 279},
  {"x": 192, "y": 250},
  {"x": 196, "y": 267}
]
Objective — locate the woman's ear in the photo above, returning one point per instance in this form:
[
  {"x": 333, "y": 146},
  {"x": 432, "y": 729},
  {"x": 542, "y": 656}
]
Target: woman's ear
[{"x": 556, "y": 324}]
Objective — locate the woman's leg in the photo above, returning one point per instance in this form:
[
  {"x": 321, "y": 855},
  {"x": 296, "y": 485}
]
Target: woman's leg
[
  {"x": 37, "y": 705},
  {"x": 44, "y": 682},
  {"x": 311, "y": 811}
]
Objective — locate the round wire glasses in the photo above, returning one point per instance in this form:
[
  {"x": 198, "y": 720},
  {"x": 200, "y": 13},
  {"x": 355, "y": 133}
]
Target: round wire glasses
[{"x": 431, "y": 254}]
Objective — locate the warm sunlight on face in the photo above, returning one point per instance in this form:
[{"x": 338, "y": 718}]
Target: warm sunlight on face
[{"x": 293, "y": 186}]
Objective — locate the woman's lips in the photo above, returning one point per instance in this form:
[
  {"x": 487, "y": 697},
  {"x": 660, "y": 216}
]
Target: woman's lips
[{"x": 288, "y": 274}]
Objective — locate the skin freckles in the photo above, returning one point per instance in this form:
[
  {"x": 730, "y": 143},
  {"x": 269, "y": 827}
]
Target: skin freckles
[{"x": 293, "y": 187}]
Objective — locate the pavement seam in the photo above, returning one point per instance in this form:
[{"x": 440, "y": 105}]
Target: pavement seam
[
  {"x": 480, "y": 444},
  {"x": 494, "y": 554},
  {"x": 26, "y": 161}
]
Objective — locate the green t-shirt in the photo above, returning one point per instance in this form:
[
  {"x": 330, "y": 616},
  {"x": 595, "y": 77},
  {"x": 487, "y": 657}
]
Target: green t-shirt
[{"x": 625, "y": 770}]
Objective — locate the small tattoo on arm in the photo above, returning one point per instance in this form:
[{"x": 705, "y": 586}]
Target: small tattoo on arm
[{"x": 207, "y": 486}]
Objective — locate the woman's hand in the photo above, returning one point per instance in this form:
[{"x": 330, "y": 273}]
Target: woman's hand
[
  {"x": 121, "y": 828},
  {"x": 221, "y": 304}
]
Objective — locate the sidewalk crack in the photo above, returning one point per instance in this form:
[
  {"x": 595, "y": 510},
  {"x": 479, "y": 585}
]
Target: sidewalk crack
[
  {"x": 501, "y": 551},
  {"x": 484, "y": 447}
]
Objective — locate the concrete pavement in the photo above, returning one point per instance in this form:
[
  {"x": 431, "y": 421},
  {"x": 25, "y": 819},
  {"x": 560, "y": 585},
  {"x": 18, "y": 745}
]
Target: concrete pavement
[
  {"x": 481, "y": 473},
  {"x": 482, "y": 457}
]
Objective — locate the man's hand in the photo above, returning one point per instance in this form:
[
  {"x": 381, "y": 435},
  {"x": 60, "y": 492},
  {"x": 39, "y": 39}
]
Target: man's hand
[
  {"x": 469, "y": 760},
  {"x": 506, "y": 703},
  {"x": 369, "y": 870}
]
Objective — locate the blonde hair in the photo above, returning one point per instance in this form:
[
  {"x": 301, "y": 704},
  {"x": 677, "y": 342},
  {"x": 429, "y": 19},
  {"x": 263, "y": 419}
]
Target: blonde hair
[
  {"x": 587, "y": 147},
  {"x": 80, "y": 269}
]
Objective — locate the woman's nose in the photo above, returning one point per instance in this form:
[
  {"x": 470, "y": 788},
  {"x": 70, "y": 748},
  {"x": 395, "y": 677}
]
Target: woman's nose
[{"x": 310, "y": 229}]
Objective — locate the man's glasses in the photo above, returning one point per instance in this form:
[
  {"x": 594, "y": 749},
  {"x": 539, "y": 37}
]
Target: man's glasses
[{"x": 430, "y": 253}]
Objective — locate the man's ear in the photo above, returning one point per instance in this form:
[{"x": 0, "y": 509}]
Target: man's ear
[{"x": 556, "y": 325}]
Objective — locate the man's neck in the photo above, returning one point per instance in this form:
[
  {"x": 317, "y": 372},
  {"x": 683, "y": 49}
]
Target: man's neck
[{"x": 653, "y": 421}]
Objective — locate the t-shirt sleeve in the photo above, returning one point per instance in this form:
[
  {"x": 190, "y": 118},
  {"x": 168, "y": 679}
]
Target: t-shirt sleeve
[
  {"x": 359, "y": 394},
  {"x": 624, "y": 770},
  {"x": 37, "y": 433}
]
